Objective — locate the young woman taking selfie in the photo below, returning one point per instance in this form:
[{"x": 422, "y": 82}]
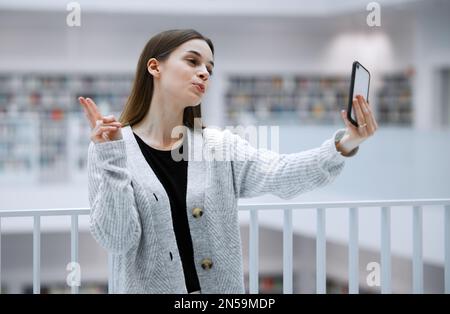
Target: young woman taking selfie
[{"x": 171, "y": 224}]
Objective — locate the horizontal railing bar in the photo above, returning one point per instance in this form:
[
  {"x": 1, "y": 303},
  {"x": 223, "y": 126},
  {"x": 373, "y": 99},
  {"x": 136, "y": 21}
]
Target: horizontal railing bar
[
  {"x": 313, "y": 205},
  {"x": 44, "y": 212},
  {"x": 266, "y": 206}
]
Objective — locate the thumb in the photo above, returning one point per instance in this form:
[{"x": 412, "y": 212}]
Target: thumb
[{"x": 344, "y": 117}]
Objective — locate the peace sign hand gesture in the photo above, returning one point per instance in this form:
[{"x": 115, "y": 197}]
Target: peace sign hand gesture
[{"x": 104, "y": 129}]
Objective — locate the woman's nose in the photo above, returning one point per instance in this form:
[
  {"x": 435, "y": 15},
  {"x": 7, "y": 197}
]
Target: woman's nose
[{"x": 203, "y": 76}]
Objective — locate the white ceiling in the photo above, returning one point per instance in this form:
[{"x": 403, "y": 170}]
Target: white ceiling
[{"x": 208, "y": 7}]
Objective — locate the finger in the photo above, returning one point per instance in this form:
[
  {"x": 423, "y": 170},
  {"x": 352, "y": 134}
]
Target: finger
[
  {"x": 368, "y": 107},
  {"x": 348, "y": 124},
  {"x": 368, "y": 118},
  {"x": 92, "y": 107},
  {"x": 102, "y": 123},
  {"x": 83, "y": 105},
  {"x": 82, "y": 102},
  {"x": 110, "y": 118},
  {"x": 360, "y": 117},
  {"x": 115, "y": 123},
  {"x": 87, "y": 112},
  {"x": 368, "y": 113},
  {"x": 372, "y": 116},
  {"x": 99, "y": 131},
  {"x": 359, "y": 111}
]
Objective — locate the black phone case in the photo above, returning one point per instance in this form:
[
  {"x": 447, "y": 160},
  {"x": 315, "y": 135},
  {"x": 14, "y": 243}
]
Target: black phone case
[{"x": 350, "y": 96}]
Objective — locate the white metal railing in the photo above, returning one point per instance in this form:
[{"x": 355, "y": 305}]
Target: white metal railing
[
  {"x": 353, "y": 255},
  {"x": 36, "y": 214},
  {"x": 287, "y": 208}
]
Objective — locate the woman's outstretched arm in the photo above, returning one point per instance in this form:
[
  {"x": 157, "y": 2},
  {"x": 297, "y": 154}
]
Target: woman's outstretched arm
[{"x": 260, "y": 171}]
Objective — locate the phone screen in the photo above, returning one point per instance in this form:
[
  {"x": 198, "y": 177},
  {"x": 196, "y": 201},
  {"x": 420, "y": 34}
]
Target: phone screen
[{"x": 360, "y": 85}]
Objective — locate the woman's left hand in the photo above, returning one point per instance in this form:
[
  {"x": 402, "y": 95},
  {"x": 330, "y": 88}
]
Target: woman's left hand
[{"x": 356, "y": 135}]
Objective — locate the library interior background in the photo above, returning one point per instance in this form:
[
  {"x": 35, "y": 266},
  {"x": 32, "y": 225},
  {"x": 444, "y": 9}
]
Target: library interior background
[{"x": 277, "y": 63}]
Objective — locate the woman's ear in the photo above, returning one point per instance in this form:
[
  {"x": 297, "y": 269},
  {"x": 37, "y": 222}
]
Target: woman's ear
[{"x": 153, "y": 67}]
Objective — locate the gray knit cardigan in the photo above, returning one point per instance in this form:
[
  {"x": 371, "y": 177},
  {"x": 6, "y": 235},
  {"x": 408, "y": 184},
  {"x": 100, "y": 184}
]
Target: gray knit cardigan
[{"x": 130, "y": 211}]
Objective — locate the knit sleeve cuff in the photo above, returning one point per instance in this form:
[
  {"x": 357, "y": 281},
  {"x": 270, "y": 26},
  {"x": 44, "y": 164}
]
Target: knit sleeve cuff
[
  {"x": 112, "y": 152},
  {"x": 337, "y": 137}
]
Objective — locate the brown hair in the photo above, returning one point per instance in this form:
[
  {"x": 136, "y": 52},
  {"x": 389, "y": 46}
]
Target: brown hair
[{"x": 160, "y": 47}]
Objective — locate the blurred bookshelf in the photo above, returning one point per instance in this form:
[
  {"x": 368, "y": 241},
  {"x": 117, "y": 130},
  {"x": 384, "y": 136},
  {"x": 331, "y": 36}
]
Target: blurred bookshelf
[
  {"x": 44, "y": 134},
  {"x": 18, "y": 148},
  {"x": 285, "y": 99},
  {"x": 311, "y": 99},
  {"x": 394, "y": 99}
]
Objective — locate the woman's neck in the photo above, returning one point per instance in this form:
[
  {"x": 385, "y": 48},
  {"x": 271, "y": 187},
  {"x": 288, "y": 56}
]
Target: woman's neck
[{"x": 157, "y": 126}]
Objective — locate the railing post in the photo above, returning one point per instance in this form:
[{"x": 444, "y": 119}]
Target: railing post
[
  {"x": 321, "y": 263},
  {"x": 447, "y": 248},
  {"x": 37, "y": 255},
  {"x": 287, "y": 252},
  {"x": 110, "y": 274},
  {"x": 254, "y": 252},
  {"x": 353, "y": 254},
  {"x": 385, "y": 250},
  {"x": 74, "y": 250},
  {"x": 0, "y": 255},
  {"x": 417, "y": 250}
]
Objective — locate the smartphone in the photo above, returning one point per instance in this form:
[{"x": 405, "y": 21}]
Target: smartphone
[{"x": 359, "y": 85}]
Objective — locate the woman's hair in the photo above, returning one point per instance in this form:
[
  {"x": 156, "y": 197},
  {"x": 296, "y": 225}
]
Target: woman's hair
[{"x": 160, "y": 47}]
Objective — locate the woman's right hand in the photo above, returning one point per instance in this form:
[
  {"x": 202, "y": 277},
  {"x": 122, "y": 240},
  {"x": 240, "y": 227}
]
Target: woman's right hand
[{"x": 104, "y": 129}]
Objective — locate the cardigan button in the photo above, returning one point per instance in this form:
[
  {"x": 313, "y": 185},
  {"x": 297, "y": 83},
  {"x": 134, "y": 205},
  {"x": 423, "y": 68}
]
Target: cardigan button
[
  {"x": 207, "y": 263},
  {"x": 197, "y": 212}
]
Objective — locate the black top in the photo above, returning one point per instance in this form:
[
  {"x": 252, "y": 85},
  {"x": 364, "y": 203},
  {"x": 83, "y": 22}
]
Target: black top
[{"x": 173, "y": 176}]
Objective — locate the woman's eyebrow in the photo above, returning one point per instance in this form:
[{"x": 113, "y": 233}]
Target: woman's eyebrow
[{"x": 198, "y": 54}]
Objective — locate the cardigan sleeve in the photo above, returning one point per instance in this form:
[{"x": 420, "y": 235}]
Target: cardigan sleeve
[
  {"x": 114, "y": 220},
  {"x": 259, "y": 171}
]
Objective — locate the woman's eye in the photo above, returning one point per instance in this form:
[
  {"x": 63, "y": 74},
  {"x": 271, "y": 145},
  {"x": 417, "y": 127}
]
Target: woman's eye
[{"x": 195, "y": 63}]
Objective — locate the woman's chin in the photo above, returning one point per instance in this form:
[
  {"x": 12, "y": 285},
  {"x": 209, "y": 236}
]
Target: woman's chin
[{"x": 194, "y": 103}]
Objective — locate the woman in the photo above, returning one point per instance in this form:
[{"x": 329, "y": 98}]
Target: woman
[{"x": 172, "y": 225}]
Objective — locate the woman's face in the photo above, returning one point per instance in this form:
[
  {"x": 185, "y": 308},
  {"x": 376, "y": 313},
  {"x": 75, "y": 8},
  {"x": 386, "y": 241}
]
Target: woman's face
[{"x": 184, "y": 77}]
